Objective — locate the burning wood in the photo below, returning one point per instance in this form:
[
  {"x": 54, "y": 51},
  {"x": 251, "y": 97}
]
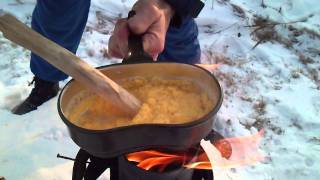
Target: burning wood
[{"x": 245, "y": 151}]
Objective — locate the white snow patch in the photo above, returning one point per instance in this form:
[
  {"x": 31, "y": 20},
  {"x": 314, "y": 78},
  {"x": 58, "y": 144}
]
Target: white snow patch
[{"x": 268, "y": 87}]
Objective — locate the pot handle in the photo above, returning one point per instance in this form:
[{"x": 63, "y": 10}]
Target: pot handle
[{"x": 136, "y": 54}]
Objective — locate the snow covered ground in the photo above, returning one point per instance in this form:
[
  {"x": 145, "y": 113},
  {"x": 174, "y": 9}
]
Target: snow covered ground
[{"x": 269, "y": 70}]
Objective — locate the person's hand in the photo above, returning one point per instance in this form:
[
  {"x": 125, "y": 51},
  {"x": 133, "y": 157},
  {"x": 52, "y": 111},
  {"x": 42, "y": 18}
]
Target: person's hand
[{"x": 151, "y": 20}]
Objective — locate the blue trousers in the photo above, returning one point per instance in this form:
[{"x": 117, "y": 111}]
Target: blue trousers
[{"x": 63, "y": 21}]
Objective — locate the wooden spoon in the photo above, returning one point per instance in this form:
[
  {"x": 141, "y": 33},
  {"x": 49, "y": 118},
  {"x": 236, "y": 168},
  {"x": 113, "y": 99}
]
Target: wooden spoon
[{"x": 67, "y": 62}]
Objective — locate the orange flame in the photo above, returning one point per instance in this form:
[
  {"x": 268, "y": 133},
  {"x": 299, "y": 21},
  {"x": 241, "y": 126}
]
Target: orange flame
[
  {"x": 149, "y": 159},
  {"x": 245, "y": 151}
]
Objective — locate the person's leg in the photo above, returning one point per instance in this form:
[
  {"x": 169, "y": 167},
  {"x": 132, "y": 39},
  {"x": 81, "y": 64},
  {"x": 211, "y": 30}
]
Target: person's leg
[
  {"x": 62, "y": 21},
  {"x": 182, "y": 44}
]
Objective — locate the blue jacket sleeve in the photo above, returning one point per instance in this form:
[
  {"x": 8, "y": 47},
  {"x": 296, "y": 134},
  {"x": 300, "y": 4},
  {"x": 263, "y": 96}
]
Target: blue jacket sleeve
[{"x": 184, "y": 8}]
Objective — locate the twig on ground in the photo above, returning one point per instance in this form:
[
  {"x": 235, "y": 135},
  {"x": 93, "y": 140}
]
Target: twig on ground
[
  {"x": 263, "y": 5},
  {"x": 257, "y": 44},
  {"x": 226, "y": 28},
  {"x": 277, "y": 23},
  {"x": 264, "y": 30}
]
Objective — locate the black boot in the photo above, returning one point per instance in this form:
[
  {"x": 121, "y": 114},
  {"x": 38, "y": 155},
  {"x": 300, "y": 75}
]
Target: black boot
[{"x": 42, "y": 92}]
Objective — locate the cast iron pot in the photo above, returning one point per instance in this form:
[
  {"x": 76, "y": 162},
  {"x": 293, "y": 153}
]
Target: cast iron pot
[{"x": 122, "y": 140}]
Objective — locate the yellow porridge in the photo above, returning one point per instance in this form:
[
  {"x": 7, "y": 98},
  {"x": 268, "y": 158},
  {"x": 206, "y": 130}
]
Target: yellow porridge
[{"x": 165, "y": 101}]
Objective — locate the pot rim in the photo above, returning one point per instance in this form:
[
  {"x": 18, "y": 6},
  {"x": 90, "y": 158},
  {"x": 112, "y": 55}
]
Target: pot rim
[{"x": 123, "y": 128}]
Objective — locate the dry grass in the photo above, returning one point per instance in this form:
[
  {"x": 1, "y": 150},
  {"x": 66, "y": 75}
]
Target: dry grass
[
  {"x": 264, "y": 30},
  {"x": 238, "y": 11},
  {"x": 315, "y": 140},
  {"x": 104, "y": 23},
  {"x": 260, "y": 107},
  {"x": 305, "y": 59},
  {"x": 295, "y": 123},
  {"x": 265, "y": 123},
  {"x": 295, "y": 74}
]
